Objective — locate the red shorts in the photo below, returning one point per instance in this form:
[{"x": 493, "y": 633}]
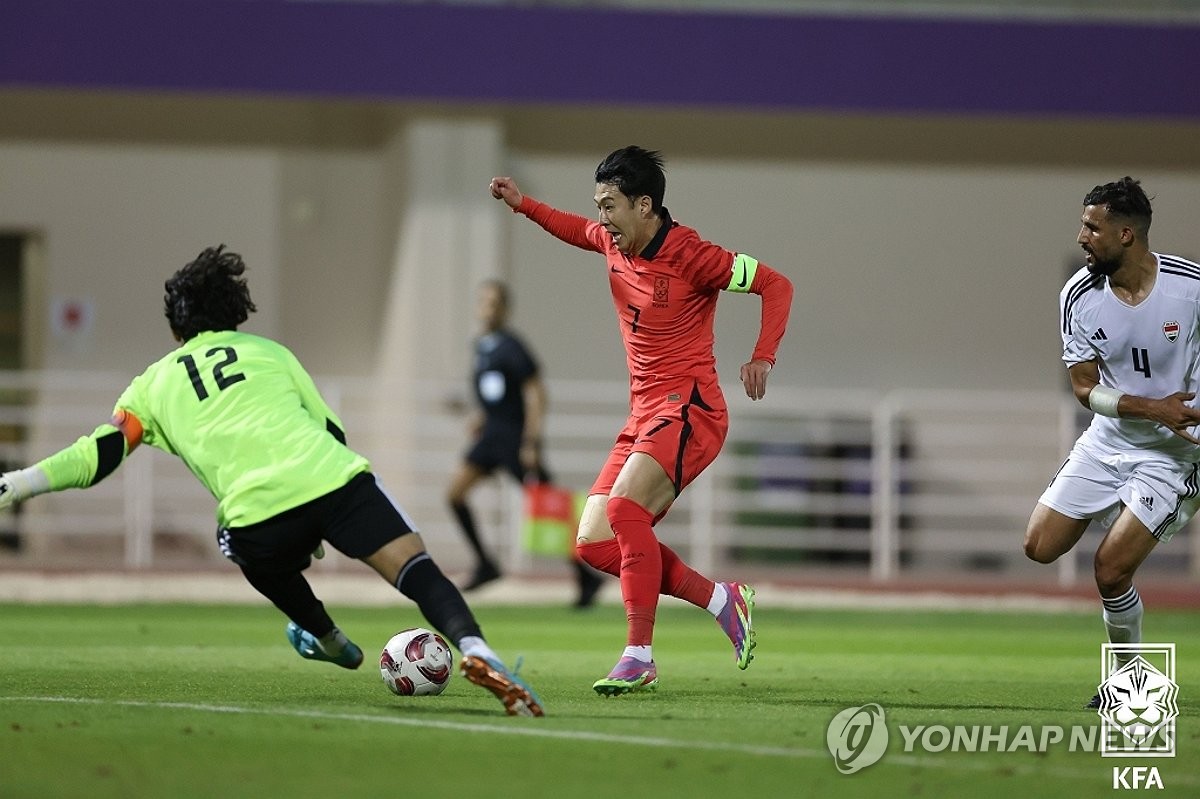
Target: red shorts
[{"x": 683, "y": 437}]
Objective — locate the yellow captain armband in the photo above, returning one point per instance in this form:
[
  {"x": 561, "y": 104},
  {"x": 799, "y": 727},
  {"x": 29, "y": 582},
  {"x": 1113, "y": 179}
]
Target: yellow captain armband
[{"x": 742, "y": 277}]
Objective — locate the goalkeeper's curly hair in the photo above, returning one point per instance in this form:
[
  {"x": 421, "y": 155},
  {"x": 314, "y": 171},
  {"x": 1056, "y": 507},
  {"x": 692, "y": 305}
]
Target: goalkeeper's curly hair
[{"x": 208, "y": 294}]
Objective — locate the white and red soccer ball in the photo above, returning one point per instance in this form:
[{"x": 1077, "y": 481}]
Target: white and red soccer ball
[{"x": 416, "y": 662}]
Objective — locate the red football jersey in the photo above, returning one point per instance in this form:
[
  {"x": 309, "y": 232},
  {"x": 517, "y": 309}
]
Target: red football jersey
[{"x": 666, "y": 299}]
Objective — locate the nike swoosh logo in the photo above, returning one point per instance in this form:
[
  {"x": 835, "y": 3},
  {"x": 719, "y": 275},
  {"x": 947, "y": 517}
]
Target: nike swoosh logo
[
  {"x": 614, "y": 270},
  {"x": 742, "y": 283}
]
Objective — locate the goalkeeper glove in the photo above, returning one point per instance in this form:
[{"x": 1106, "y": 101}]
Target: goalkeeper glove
[{"x": 22, "y": 484}]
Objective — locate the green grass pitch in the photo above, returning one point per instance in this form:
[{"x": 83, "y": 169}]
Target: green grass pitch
[{"x": 210, "y": 701}]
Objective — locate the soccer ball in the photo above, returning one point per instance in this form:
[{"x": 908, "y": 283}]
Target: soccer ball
[{"x": 416, "y": 662}]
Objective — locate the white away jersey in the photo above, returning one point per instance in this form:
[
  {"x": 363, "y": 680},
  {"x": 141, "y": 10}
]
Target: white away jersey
[{"x": 1149, "y": 350}]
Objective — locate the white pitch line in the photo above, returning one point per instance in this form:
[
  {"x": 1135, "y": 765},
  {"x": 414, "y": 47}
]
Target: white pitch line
[
  {"x": 577, "y": 735},
  {"x": 910, "y": 761}
]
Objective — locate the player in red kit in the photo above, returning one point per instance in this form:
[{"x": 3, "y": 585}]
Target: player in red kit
[{"x": 665, "y": 281}]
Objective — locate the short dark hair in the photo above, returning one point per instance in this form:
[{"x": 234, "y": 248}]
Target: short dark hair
[
  {"x": 1124, "y": 198},
  {"x": 636, "y": 172},
  {"x": 208, "y": 294}
]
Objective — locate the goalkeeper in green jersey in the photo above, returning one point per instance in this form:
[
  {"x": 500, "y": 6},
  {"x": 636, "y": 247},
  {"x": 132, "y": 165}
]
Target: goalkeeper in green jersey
[{"x": 248, "y": 421}]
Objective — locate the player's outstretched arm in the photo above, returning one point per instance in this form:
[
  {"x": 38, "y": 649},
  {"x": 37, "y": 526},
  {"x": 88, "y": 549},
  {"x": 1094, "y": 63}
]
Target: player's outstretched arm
[
  {"x": 86, "y": 462},
  {"x": 504, "y": 188},
  {"x": 571, "y": 228},
  {"x": 22, "y": 484}
]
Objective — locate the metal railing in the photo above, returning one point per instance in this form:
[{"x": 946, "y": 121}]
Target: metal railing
[{"x": 885, "y": 484}]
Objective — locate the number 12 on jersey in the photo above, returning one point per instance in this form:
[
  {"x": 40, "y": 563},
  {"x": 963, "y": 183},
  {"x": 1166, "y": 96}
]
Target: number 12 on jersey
[{"x": 224, "y": 379}]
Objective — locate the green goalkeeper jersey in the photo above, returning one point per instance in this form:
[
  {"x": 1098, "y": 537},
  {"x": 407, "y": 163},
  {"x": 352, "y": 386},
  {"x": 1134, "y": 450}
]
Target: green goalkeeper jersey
[{"x": 245, "y": 417}]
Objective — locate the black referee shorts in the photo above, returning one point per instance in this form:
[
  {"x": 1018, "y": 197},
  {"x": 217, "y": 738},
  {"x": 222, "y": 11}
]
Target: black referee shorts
[
  {"x": 357, "y": 520},
  {"x": 496, "y": 449}
]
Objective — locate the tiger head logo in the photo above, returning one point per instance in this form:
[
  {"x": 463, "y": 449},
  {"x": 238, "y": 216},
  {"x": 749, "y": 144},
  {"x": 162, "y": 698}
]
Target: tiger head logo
[{"x": 1138, "y": 700}]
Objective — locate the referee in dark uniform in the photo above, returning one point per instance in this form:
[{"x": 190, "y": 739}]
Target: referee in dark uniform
[{"x": 506, "y": 429}]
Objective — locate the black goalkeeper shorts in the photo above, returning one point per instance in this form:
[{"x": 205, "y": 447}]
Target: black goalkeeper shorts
[{"x": 357, "y": 520}]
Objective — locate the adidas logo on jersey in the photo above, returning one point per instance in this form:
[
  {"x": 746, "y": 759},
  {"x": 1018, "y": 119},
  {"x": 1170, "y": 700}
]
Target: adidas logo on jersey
[
  {"x": 1099, "y": 335},
  {"x": 1147, "y": 502}
]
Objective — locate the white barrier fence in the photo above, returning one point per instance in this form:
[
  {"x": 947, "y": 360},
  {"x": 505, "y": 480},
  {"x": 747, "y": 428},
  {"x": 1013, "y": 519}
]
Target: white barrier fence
[{"x": 884, "y": 484}]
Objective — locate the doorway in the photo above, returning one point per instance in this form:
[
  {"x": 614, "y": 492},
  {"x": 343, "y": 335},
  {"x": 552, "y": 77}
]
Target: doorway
[{"x": 12, "y": 359}]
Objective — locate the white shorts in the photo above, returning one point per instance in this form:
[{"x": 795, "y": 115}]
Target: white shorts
[{"x": 1096, "y": 483}]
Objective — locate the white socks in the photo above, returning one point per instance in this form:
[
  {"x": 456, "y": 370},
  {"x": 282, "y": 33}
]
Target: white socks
[
  {"x": 642, "y": 653},
  {"x": 474, "y": 646},
  {"x": 720, "y": 597},
  {"x": 1123, "y": 619},
  {"x": 333, "y": 643}
]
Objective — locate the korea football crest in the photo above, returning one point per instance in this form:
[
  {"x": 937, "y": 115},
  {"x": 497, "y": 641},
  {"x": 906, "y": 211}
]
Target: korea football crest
[
  {"x": 662, "y": 291},
  {"x": 1138, "y": 700}
]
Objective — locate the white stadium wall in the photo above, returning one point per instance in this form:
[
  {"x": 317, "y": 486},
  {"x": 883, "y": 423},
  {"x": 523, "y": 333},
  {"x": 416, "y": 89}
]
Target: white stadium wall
[{"x": 908, "y": 274}]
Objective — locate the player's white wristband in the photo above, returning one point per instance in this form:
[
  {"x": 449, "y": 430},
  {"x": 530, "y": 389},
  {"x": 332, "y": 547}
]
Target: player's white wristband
[{"x": 1103, "y": 400}]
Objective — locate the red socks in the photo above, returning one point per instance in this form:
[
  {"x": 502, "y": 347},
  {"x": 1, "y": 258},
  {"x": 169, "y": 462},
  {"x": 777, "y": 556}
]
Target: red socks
[
  {"x": 641, "y": 566},
  {"x": 681, "y": 580},
  {"x": 678, "y": 579},
  {"x": 603, "y": 556}
]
